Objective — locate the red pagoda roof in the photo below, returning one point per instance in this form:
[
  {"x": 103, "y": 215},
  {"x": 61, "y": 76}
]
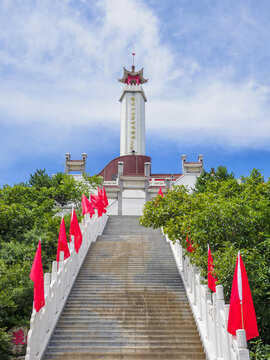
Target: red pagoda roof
[{"x": 133, "y": 77}]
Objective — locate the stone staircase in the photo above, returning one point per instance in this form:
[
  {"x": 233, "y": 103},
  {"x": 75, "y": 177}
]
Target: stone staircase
[{"x": 128, "y": 301}]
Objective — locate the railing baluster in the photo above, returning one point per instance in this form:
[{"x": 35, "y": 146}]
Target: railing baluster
[
  {"x": 211, "y": 317},
  {"x": 57, "y": 287}
]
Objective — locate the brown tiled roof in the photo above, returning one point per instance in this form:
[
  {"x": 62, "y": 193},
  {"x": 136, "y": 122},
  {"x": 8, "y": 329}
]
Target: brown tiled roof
[
  {"x": 132, "y": 72},
  {"x": 133, "y": 164}
]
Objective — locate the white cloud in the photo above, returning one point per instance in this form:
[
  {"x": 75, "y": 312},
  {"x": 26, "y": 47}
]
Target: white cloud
[
  {"x": 62, "y": 63},
  {"x": 230, "y": 114},
  {"x": 59, "y": 63}
]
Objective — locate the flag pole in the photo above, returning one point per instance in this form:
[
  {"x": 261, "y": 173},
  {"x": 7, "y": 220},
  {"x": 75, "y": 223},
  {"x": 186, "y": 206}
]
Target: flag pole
[
  {"x": 133, "y": 54},
  {"x": 240, "y": 288},
  {"x": 242, "y": 316}
]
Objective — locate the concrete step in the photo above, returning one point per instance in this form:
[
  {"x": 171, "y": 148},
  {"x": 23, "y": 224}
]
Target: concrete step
[
  {"x": 122, "y": 355},
  {"x": 126, "y": 329},
  {"x": 118, "y": 342},
  {"x": 157, "y": 336},
  {"x": 71, "y": 309},
  {"x": 128, "y": 301},
  {"x": 126, "y": 321},
  {"x": 186, "y": 351}
]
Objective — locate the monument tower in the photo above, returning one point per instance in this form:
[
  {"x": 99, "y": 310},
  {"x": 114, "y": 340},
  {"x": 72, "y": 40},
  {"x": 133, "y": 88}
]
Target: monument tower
[
  {"x": 132, "y": 134},
  {"x": 128, "y": 178}
]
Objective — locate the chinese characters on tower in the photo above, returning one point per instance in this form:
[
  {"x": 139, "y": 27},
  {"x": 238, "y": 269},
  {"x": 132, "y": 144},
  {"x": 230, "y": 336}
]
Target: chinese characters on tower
[{"x": 132, "y": 124}]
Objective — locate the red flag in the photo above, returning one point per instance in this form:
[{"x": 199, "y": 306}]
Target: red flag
[
  {"x": 75, "y": 231},
  {"x": 190, "y": 248},
  {"x": 160, "y": 192},
  {"x": 98, "y": 204},
  {"x": 242, "y": 313},
  {"x": 100, "y": 194},
  {"x": 36, "y": 275},
  {"x": 93, "y": 199},
  {"x": 87, "y": 207},
  {"x": 106, "y": 203},
  {"x": 211, "y": 278},
  {"x": 62, "y": 242}
]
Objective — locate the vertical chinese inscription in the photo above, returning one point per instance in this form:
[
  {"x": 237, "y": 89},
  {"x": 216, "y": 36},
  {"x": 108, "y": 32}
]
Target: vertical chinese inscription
[{"x": 132, "y": 123}]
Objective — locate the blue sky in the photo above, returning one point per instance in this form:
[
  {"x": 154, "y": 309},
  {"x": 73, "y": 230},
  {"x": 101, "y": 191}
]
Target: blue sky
[{"x": 208, "y": 93}]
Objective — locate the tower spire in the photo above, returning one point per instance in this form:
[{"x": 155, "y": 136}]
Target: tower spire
[{"x": 133, "y": 65}]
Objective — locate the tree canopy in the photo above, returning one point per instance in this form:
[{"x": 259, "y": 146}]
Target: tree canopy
[
  {"x": 229, "y": 215},
  {"x": 29, "y": 211},
  {"x": 220, "y": 174}
]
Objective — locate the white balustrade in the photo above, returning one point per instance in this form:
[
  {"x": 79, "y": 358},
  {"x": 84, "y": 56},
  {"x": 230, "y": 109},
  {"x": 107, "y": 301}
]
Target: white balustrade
[
  {"x": 57, "y": 286},
  {"x": 210, "y": 313}
]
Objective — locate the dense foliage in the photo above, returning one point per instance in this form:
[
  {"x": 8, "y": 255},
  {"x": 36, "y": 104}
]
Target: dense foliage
[
  {"x": 28, "y": 212},
  {"x": 229, "y": 215},
  {"x": 220, "y": 174}
]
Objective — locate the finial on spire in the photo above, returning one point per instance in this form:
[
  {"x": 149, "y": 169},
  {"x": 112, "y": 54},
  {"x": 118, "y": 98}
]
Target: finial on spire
[{"x": 133, "y": 66}]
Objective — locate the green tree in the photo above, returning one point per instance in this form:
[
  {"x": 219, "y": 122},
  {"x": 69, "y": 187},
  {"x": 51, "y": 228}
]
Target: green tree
[
  {"x": 5, "y": 340},
  {"x": 229, "y": 215},
  {"x": 29, "y": 212},
  {"x": 40, "y": 179},
  {"x": 220, "y": 174}
]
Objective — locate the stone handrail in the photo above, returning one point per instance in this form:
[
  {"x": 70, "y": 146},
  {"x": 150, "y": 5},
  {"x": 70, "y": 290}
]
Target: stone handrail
[
  {"x": 113, "y": 208},
  {"x": 210, "y": 313},
  {"x": 57, "y": 288}
]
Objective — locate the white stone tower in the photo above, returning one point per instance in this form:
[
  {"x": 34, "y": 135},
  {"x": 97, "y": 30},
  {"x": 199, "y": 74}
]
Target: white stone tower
[{"x": 132, "y": 134}]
